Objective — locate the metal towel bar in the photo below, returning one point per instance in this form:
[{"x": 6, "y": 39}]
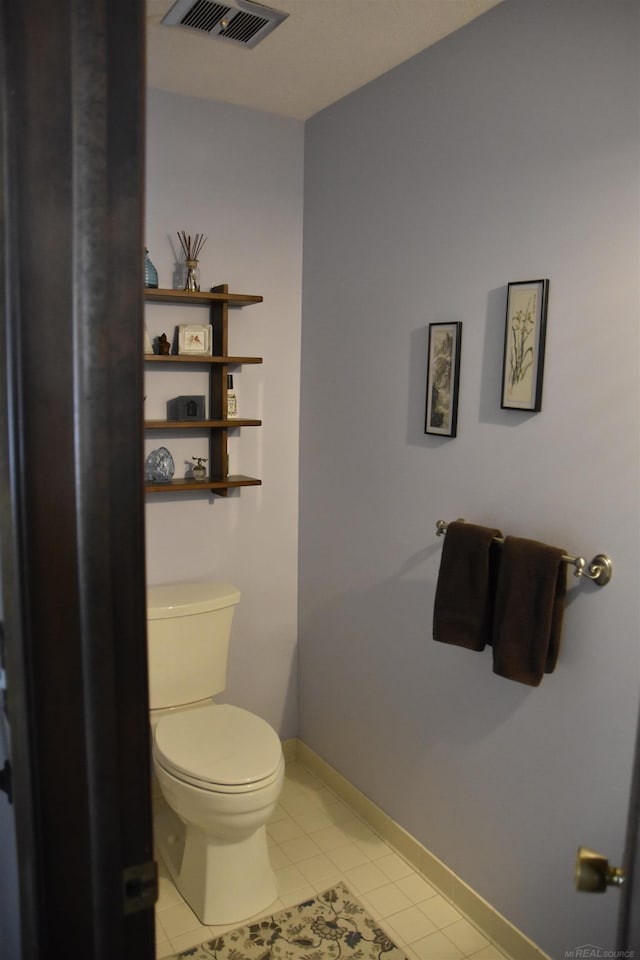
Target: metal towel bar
[{"x": 600, "y": 569}]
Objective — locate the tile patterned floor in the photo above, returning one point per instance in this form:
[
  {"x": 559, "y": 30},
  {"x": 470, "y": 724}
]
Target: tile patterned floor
[{"x": 316, "y": 839}]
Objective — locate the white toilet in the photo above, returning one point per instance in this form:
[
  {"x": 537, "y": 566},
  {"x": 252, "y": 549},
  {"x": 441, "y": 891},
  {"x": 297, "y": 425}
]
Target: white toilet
[{"x": 220, "y": 768}]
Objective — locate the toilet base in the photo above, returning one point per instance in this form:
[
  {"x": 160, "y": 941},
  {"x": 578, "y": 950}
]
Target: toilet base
[{"x": 222, "y": 882}]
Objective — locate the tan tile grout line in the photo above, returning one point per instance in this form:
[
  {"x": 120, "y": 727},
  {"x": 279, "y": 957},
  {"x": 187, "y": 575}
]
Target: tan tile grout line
[
  {"x": 374, "y": 820},
  {"x": 386, "y": 919},
  {"x": 502, "y": 934}
]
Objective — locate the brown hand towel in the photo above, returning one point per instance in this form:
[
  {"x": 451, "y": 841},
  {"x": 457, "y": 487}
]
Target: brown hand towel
[
  {"x": 466, "y": 584},
  {"x": 532, "y": 584}
]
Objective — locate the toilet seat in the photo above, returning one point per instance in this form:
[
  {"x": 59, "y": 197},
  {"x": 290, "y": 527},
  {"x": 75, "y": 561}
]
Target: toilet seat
[{"x": 220, "y": 748}]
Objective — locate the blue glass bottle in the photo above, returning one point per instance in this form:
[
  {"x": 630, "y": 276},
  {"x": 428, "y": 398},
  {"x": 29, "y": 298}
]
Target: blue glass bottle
[{"x": 150, "y": 272}]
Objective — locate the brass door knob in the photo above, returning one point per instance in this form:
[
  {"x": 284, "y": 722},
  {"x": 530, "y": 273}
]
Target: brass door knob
[{"x": 593, "y": 873}]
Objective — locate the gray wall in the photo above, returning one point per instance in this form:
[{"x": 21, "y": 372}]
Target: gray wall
[
  {"x": 508, "y": 151},
  {"x": 235, "y": 175}
]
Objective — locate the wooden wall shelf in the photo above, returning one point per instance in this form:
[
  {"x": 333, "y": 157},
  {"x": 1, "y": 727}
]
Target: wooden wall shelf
[
  {"x": 180, "y": 358},
  {"x": 190, "y": 486},
  {"x": 217, "y": 426},
  {"x": 201, "y": 298},
  {"x": 200, "y": 424}
]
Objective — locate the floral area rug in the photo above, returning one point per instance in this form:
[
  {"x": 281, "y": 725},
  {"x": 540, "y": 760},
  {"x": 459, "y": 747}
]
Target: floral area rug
[{"x": 331, "y": 926}]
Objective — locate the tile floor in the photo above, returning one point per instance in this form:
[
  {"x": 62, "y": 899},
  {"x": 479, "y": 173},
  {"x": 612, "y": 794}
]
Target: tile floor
[{"x": 316, "y": 839}]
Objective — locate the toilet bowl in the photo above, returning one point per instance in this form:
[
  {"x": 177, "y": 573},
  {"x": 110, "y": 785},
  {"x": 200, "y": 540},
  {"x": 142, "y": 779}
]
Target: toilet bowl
[{"x": 220, "y": 769}]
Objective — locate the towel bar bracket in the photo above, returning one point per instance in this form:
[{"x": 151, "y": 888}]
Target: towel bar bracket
[{"x": 600, "y": 569}]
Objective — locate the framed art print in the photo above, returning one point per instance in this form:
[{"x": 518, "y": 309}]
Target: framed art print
[
  {"x": 194, "y": 339},
  {"x": 443, "y": 375},
  {"x": 524, "y": 342}
]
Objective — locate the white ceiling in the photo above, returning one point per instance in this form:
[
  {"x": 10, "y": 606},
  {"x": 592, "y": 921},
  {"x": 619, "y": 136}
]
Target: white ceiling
[{"x": 324, "y": 50}]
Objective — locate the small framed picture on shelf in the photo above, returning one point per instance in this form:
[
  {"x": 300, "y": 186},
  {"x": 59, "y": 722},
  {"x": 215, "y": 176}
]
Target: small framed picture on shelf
[
  {"x": 443, "y": 376},
  {"x": 195, "y": 339},
  {"x": 524, "y": 340}
]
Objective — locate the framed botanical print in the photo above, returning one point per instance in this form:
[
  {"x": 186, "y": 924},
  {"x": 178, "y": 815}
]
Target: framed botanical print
[
  {"x": 443, "y": 375},
  {"x": 524, "y": 342}
]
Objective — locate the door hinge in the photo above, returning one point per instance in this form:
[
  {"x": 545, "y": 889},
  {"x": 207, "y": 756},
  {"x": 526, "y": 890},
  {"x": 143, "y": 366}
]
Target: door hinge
[
  {"x": 139, "y": 887},
  {"x": 5, "y": 780}
]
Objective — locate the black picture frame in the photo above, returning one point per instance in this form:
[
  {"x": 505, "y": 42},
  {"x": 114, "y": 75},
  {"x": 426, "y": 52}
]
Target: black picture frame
[
  {"x": 525, "y": 334},
  {"x": 443, "y": 379}
]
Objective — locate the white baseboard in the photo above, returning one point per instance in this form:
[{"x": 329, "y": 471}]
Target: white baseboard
[{"x": 506, "y": 937}]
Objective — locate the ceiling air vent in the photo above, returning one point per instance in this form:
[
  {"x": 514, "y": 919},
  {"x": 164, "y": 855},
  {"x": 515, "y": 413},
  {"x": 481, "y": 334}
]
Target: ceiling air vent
[{"x": 240, "y": 21}]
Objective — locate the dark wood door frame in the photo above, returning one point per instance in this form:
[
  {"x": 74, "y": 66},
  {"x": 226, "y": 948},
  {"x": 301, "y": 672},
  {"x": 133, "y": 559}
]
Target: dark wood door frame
[
  {"x": 71, "y": 469},
  {"x": 629, "y": 914}
]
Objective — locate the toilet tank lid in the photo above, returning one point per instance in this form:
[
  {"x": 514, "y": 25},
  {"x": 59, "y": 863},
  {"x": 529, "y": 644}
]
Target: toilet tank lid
[{"x": 185, "y": 599}]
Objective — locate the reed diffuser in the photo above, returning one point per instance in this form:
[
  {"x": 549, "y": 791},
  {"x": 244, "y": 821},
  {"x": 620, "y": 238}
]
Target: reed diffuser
[{"x": 191, "y": 247}]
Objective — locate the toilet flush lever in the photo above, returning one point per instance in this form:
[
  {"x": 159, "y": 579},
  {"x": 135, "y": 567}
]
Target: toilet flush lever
[{"x": 593, "y": 873}]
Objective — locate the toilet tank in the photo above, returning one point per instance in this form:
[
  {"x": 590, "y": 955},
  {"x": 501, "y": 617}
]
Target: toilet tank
[{"x": 188, "y": 630}]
